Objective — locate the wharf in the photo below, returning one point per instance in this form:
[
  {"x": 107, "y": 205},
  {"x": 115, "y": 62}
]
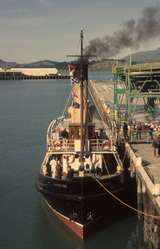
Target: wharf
[
  {"x": 143, "y": 165},
  {"x": 33, "y": 77}
]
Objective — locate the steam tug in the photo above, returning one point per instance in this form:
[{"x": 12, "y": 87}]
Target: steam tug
[{"x": 80, "y": 156}]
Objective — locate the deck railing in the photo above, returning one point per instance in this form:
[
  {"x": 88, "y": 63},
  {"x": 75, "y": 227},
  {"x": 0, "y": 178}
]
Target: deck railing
[
  {"x": 144, "y": 136},
  {"x": 69, "y": 145}
]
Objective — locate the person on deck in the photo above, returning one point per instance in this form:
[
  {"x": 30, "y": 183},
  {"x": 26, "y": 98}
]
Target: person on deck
[
  {"x": 87, "y": 169},
  {"x": 125, "y": 131},
  {"x": 58, "y": 171},
  {"x": 53, "y": 164},
  {"x": 64, "y": 134},
  {"x": 49, "y": 172},
  {"x": 138, "y": 131},
  {"x": 70, "y": 173},
  {"x": 159, "y": 145},
  {"x": 151, "y": 129},
  {"x": 81, "y": 170},
  {"x": 98, "y": 171},
  {"x": 155, "y": 145},
  {"x": 93, "y": 169}
]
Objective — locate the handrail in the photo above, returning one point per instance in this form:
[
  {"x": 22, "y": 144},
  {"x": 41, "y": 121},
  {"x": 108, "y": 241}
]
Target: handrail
[
  {"x": 52, "y": 123},
  {"x": 51, "y": 127},
  {"x": 69, "y": 145}
]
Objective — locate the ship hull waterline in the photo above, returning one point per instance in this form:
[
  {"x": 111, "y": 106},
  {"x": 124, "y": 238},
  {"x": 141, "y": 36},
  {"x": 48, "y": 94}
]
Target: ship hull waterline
[
  {"x": 104, "y": 209},
  {"x": 75, "y": 227}
]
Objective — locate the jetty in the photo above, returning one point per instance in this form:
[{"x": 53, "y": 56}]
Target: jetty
[
  {"x": 31, "y": 74},
  {"x": 131, "y": 100}
]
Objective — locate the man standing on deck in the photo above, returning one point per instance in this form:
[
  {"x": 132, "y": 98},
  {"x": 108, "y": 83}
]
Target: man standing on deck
[
  {"x": 156, "y": 146},
  {"x": 159, "y": 145},
  {"x": 58, "y": 171},
  {"x": 125, "y": 131}
]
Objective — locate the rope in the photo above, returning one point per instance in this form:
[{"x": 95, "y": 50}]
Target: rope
[
  {"x": 106, "y": 127},
  {"x": 114, "y": 196},
  {"x": 125, "y": 154},
  {"x": 127, "y": 205},
  {"x": 66, "y": 104},
  {"x": 119, "y": 162},
  {"x": 102, "y": 118},
  {"x": 89, "y": 114}
]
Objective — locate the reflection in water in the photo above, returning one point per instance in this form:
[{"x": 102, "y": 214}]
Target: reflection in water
[
  {"x": 137, "y": 237},
  {"x": 51, "y": 233}
]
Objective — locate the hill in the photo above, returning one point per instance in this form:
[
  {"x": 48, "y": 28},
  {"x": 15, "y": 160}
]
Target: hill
[
  {"x": 144, "y": 56},
  {"x": 43, "y": 63},
  {"x": 139, "y": 57}
]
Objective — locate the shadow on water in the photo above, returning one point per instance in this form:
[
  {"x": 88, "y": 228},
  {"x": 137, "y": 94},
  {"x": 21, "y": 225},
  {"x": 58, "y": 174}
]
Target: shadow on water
[{"x": 51, "y": 233}]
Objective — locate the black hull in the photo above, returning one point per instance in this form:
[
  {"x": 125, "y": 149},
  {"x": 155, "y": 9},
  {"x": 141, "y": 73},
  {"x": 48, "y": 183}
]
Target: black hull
[{"x": 81, "y": 203}]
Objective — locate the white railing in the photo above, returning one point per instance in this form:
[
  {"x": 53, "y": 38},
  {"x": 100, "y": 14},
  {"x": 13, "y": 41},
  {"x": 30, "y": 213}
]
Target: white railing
[
  {"x": 68, "y": 145},
  {"x": 61, "y": 145},
  {"x": 101, "y": 144},
  {"x": 51, "y": 128}
]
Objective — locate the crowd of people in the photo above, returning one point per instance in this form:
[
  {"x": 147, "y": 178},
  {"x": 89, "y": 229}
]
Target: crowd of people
[
  {"x": 54, "y": 169},
  {"x": 140, "y": 130},
  {"x": 148, "y": 132}
]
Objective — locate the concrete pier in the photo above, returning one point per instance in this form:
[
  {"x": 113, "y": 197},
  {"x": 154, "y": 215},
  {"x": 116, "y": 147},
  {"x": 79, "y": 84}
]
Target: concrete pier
[{"x": 144, "y": 166}]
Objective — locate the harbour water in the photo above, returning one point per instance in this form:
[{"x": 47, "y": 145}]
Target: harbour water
[{"x": 26, "y": 108}]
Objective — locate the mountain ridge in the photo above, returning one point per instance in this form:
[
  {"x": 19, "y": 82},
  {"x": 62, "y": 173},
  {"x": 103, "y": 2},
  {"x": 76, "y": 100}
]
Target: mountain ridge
[{"x": 138, "y": 57}]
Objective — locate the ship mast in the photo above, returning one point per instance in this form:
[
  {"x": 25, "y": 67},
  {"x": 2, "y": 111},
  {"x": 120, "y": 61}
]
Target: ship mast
[
  {"x": 83, "y": 99},
  {"x": 82, "y": 102}
]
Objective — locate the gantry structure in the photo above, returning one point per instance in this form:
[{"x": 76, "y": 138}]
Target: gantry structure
[{"x": 136, "y": 88}]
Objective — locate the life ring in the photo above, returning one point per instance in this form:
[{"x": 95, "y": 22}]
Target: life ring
[
  {"x": 107, "y": 143},
  {"x": 57, "y": 145}
]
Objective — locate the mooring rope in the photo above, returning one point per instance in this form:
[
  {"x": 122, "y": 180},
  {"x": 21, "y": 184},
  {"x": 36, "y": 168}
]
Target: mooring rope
[
  {"x": 137, "y": 211},
  {"x": 66, "y": 104},
  {"x": 127, "y": 205}
]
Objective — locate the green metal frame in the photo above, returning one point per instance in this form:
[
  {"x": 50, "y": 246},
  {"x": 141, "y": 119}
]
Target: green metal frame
[{"x": 126, "y": 92}]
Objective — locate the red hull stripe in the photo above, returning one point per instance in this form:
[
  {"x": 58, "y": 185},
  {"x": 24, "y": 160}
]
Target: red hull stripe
[{"x": 76, "y": 227}]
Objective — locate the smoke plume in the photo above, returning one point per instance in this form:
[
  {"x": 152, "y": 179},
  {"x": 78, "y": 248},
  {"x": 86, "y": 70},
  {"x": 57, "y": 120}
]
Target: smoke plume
[{"x": 132, "y": 35}]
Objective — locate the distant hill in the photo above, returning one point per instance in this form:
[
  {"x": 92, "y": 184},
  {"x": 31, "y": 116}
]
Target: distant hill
[
  {"x": 43, "y": 63},
  {"x": 46, "y": 63},
  {"x": 101, "y": 65},
  {"x": 143, "y": 56},
  {"x": 139, "y": 57},
  {"x": 7, "y": 64}
]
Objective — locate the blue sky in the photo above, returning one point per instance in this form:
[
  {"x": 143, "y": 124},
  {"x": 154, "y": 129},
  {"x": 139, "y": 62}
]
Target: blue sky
[{"x": 49, "y": 29}]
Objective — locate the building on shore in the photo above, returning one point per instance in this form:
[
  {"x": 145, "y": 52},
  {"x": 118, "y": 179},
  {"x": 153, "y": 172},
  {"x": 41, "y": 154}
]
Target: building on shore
[{"x": 20, "y": 73}]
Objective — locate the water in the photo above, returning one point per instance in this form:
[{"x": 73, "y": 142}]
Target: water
[
  {"x": 26, "y": 108},
  {"x": 100, "y": 75}
]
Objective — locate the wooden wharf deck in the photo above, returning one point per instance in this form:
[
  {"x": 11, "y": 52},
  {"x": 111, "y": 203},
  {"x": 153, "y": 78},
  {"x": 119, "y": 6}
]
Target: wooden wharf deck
[{"x": 143, "y": 165}]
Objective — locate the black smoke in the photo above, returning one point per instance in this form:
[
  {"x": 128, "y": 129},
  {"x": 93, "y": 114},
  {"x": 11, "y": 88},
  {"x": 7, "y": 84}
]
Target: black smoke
[{"x": 132, "y": 34}]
